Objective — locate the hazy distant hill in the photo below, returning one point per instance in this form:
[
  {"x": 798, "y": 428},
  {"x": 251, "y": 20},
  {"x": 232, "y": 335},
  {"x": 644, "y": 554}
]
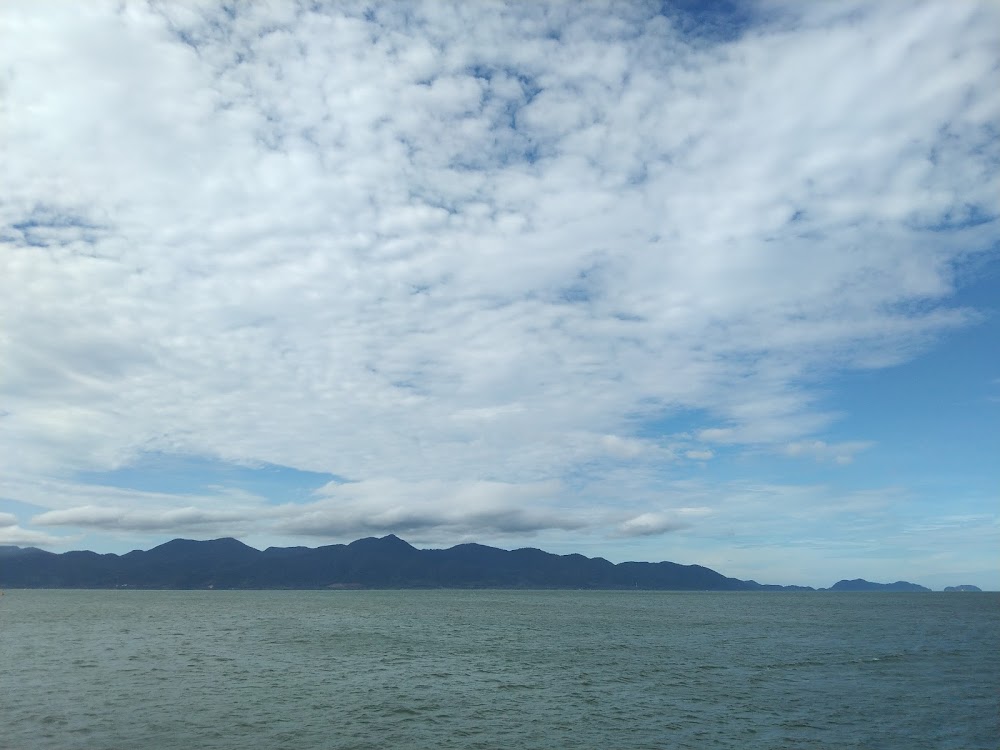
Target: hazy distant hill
[
  {"x": 860, "y": 584},
  {"x": 388, "y": 562},
  {"x": 963, "y": 587}
]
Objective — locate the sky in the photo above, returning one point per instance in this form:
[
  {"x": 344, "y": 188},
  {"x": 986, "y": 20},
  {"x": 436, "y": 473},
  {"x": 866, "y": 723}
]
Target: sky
[{"x": 648, "y": 281}]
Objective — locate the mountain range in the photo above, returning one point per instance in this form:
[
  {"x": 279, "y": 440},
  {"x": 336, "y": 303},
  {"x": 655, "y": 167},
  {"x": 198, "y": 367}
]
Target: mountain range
[
  {"x": 370, "y": 563},
  {"x": 386, "y": 562}
]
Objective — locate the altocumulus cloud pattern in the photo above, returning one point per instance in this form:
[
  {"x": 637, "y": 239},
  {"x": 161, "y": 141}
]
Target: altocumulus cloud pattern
[{"x": 629, "y": 279}]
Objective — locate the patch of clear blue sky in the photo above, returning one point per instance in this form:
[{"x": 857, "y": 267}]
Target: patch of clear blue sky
[
  {"x": 185, "y": 474},
  {"x": 716, "y": 21},
  {"x": 935, "y": 418}
]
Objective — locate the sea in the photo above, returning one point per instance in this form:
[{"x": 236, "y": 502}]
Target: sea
[{"x": 498, "y": 669}]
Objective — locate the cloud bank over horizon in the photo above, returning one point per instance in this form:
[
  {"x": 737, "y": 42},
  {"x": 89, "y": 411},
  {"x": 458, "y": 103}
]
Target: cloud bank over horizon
[{"x": 631, "y": 279}]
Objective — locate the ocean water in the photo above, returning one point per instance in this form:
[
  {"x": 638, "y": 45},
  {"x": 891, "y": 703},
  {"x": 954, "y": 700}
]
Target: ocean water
[{"x": 498, "y": 669}]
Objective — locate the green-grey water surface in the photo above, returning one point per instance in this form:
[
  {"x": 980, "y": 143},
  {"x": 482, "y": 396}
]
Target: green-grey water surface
[{"x": 498, "y": 669}]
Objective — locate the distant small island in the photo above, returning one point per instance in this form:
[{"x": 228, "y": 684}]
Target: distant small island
[
  {"x": 372, "y": 563},
  {"x": 963, "y": 587},
  {"x": 860, "y": 584}
]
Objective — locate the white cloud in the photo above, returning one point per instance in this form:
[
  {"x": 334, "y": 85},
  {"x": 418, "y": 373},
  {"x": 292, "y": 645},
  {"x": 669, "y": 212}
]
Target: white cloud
[
  {"x": 440, "y": 508},
  {"x": 449, "y": 510},
  {"x": 624, "y": 447},
  {"x": 142, "y": 519},
  {"x": 839, "y": 453},
  {"x": 61, "y": 495},
  {"x": 17, "y": 536},
  {"x": 649, "y": 524},
  {"x": 699, "y": 455}
]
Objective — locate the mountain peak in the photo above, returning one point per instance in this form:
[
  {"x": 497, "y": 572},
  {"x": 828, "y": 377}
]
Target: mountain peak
[
  {"x": 202, "y": 547},
  {"x": 395, "y": 540},
  {"x": 389, "y": 541}
]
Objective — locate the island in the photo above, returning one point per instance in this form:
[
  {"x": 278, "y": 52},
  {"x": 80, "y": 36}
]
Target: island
[{"x": 860, "y": 584}]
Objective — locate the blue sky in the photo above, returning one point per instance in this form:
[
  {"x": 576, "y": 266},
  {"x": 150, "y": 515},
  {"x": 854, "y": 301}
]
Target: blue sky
[{"x": 642, "y": 281}]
